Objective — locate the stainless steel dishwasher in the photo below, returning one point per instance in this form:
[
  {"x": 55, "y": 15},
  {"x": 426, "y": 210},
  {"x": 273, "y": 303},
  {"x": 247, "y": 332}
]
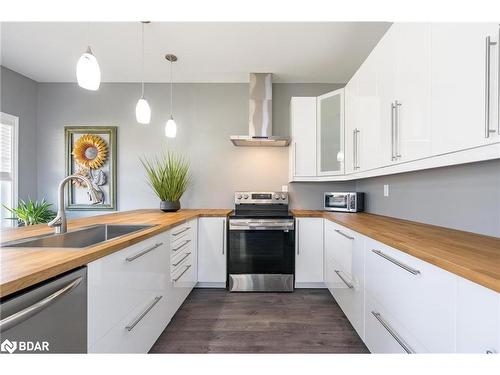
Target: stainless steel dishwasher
[{"x": 50, "y": 317}]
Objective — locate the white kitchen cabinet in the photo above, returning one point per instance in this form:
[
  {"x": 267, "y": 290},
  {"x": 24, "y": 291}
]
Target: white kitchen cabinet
[
  {"x": 459, "y": 86},
  {"x": 478, "y": 318},
  {"x": 212, "y": 252},
  {"x": 302, "y": 157},
  {"x": 308, "y": 252},
  {"x": 420, "y": 296},
  {"x": 122, "y": 286},
  {"x": 344, "y": 271},
  {"x": 330, "y": 133}
]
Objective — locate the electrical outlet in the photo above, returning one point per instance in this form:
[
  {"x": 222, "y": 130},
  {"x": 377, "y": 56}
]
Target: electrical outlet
[
  {"x": 284, "y": 188},
  {"x": 386, "y": 190}
]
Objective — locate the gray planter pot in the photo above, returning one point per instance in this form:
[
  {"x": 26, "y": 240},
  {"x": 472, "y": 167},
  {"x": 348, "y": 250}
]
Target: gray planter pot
[{"x": 167, "y": 206}]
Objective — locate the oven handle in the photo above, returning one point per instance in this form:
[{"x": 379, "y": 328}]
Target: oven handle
[{"x": 260, "y": 227}]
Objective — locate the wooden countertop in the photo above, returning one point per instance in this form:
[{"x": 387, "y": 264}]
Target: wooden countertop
[
  {"x": 22, "y": 267},
  {"x": 472, "y": 256}
]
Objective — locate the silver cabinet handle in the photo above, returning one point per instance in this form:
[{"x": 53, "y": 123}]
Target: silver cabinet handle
[
  {"x": 34, "y": 309},
  {"x": 354, "y": 149},
  {"x": 487, "y": 59},
  {"x": 343, "y": 234},
  {"x": 407, "y": 348},
  {"x": 349, "y": 285},
  {"x": 294, "y": 158},
  {"x": 393, "y": 132},
  {"x": 182, "y": 273},
  {"x": 180, "y": 261},
  {"x": 397, "y": 126},
  {"x": 181, "y": 246},
  {"x": 298, "y": 238},
  {"x": 143, "y": 252},
  {"x": 396, "y": 262},
  {"x": 181, "y": 231},
  {"x": 223, "y": 235},
  {"x": 131, "y": 326},
  {"x": 498, "y": 83}
]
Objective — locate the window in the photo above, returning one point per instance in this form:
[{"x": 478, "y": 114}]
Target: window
[{"x": 8, "y": 165}]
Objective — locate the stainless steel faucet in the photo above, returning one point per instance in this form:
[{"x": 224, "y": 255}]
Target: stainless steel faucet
[{"x": 60, "y": 223}]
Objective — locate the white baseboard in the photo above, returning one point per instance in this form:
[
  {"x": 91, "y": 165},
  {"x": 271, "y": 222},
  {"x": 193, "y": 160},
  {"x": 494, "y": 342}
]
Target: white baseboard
[
  {"x": 319, "y": 285},
  {"x": 211, "y": 285}
]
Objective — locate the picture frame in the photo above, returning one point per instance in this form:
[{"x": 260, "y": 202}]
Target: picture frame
[{"x": 77, "y": 199}]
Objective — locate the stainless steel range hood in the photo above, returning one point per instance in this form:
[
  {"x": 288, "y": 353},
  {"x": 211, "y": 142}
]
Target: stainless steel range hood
[{"x": 260, "y": 121}]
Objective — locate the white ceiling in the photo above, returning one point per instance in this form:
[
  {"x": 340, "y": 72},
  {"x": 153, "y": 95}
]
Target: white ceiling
[{"x": 327, "y": 52}]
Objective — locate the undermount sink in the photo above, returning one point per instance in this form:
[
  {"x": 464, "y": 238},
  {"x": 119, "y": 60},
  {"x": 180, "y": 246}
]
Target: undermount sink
[{"x": 80, "y": 237}]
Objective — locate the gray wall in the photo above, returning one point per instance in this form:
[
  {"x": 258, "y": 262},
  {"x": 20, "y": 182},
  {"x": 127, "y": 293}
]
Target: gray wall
[
  {"x": 18, "y": 96},
  {"x": 465, "y": 197},
  {"x": 206, "y": 115}
]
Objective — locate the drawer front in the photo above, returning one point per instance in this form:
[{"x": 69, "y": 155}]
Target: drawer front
[
  {"x": 420, "y": 296},
  {"x": 180, "y": 231},
  {"x": 343, "y": 239},
  {"x": 384, "y": 334},
  {"x": 139, "y": 329},
  {"x": 121, "y": 281},
  {"x": 478, "y": 318}
]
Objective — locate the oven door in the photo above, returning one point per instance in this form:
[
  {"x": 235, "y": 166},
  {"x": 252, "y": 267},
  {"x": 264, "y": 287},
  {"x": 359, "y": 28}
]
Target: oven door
[{"x": 261, "y": 254}]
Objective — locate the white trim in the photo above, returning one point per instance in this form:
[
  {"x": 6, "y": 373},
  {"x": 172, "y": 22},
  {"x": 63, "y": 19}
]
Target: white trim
[
  {"x": 7, "y": 119},
  {"x": 202, "y": 284},
  {"x": 310, "y": 285}
]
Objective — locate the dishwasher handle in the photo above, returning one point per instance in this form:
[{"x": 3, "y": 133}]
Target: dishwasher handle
[{"x": 34, "y": 309}]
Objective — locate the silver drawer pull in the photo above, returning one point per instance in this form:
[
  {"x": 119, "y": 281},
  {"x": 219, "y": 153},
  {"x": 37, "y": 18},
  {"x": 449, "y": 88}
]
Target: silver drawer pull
[
  {"x": 407, "y": 348},
  {"x": 182, "y": 273},
  {"x": 397, "y": 262},
  {"x": 143, "y": 252},
  {"x": 131, "y": 326},
  {"x": 349, "y": 285},
  {"x": 181, "y": 246},
  {"x": 180, "y": 261},
  {"x": 181, "y": 231},
  {"x": 343, "y": 234},
  {"x": 28, "y": 312}
]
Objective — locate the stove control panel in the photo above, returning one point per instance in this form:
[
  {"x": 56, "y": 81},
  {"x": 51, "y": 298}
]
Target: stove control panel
[{"x": 259, "y": 197}]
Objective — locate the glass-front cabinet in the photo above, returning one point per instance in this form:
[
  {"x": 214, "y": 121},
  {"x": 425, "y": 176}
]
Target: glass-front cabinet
[{"x": 330, "y": 133}]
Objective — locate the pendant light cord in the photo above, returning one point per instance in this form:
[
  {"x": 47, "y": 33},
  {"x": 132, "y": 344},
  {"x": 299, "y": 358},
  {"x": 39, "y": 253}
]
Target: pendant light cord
[
  {"x": 171, "y": 90},
  {"x": 142, "y": 69}
]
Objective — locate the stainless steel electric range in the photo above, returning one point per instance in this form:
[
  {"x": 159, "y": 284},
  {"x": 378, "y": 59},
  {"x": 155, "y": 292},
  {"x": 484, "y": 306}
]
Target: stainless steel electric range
[{"x": 261, "y": 256}]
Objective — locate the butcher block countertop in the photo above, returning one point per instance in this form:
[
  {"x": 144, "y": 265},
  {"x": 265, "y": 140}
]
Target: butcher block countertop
[
  {"x": 22, "y": 267},
  {"x": 472, "y": 256}
]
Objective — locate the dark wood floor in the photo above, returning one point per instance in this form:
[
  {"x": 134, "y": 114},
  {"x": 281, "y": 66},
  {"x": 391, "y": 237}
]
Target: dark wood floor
[{"x": 215, "y": 321}]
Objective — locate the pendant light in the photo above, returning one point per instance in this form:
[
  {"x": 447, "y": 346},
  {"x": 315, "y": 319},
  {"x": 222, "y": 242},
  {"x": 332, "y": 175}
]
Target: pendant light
[
  {"x": 142, "y": 109},
  {"x": 171, "y": 126},
  {"x": 88, "y": 73}
]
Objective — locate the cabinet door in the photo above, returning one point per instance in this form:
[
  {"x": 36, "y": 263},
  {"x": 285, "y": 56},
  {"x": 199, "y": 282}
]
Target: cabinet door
[
  {"x": 344, "y": 271},
  {"x": 458, "y": 79},
  {"x": 478, "y": 318},
  {"x": 212, "y": 250},
  {"x": 330, "y": 129},
  {"x": 309, "y": 250},
  {"x": 351, "y": 123},
  {"x": 303, "y": 132},
  {"x": 413, "y": 90}
]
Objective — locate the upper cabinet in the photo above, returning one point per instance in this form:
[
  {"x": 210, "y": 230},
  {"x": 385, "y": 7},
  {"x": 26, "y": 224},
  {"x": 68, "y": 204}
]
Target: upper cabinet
[
  {"x": 464, "y": 75},
  {"x": 330, "y": 133},
  {"x": 427, "y": 96},
  {"x": 303, "y": 132}
]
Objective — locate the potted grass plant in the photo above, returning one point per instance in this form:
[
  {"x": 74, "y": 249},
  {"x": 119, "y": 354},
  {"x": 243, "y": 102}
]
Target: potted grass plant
[
  {"x": 168, "y": 176},
  {"x": 31, "y": 212}
]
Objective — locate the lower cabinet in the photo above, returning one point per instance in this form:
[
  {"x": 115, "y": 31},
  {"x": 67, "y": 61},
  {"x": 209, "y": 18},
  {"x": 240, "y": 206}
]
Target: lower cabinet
[
  {"x": 478, "y": 318},
  {"x": 344, "y": 271},
  {"x": 212, "y": 252},
  {"x": 308, "y": 252},
  {"x": 133, "y": 293}
]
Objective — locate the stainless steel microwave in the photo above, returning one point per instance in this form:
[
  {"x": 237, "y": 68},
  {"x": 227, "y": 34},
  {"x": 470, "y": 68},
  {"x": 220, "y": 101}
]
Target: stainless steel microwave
[{"x": 344, "y": 202}]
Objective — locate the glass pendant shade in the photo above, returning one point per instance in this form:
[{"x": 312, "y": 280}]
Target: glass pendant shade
[
  {"x": 170, "y": 128},
  {"x": 143, "y": 111},
  {"x": 88, "y": 73}
]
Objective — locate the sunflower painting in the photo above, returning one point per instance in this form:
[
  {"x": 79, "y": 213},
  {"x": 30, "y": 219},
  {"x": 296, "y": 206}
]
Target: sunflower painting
[{"x": 91, "y": 152}]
